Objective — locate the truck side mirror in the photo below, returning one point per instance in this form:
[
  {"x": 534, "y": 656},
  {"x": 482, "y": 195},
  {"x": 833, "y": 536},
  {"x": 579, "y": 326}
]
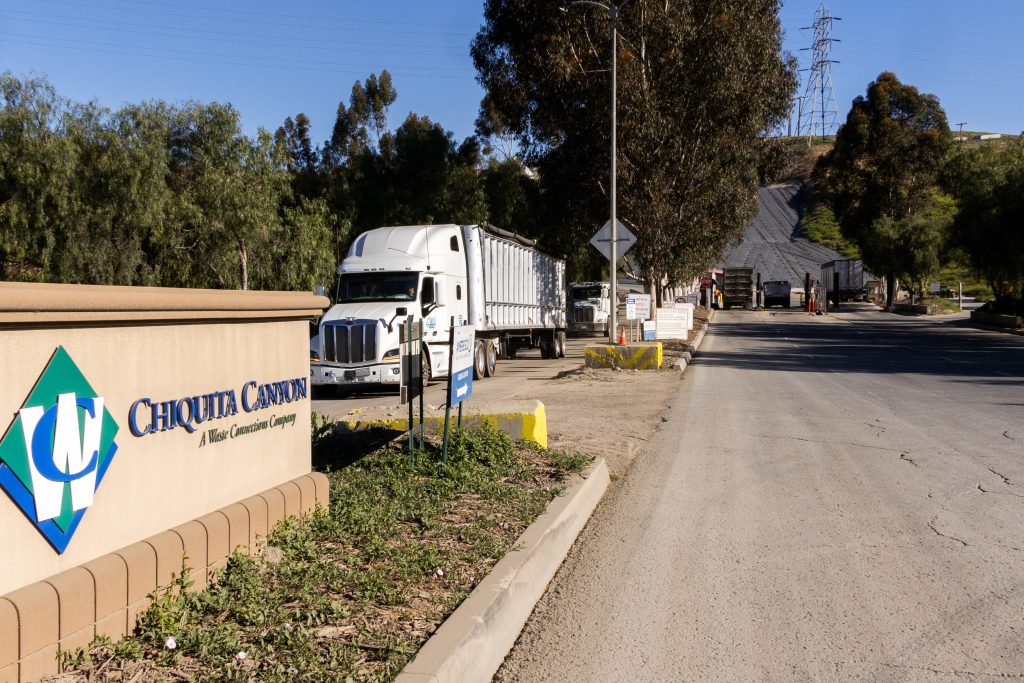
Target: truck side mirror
[
  {"x": 440, "y": 293},
  {"x": 320, "y": 290},
  {"x": 400, "y": 312}
]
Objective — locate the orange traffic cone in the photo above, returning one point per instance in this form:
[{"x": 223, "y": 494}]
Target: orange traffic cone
[{"x": 622, "y": 335}]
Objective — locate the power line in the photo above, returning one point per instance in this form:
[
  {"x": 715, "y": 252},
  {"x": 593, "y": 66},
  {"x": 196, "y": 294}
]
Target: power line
[
  {"x": 818, "y": 111},
  {"x": 176, "y": 33}
]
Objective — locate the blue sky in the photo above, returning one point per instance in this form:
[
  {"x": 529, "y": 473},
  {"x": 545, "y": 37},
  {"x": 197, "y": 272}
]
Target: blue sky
[{"x": 273, "y": 59}]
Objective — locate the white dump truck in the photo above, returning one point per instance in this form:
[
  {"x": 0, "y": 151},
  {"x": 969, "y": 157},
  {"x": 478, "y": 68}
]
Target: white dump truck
[
  {"x": 589, "y": 307},
  {"x": 499, "y": 282}
]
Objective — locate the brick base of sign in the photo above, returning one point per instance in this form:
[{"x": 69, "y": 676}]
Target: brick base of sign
[{"x": 106, "y": 596}]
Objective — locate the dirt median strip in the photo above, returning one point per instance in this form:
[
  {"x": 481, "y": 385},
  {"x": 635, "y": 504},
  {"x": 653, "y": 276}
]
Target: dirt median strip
[{"x": 474, "y": 640}]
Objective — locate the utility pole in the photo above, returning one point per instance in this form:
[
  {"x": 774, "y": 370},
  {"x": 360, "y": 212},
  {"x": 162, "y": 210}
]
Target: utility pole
[
  {"x": 962, "y": 124},
  {"x": 819, "y": 100},
  {"x": 613, "y": 13}
]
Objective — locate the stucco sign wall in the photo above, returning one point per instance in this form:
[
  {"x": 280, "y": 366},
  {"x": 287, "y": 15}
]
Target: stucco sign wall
[{"x": 127, "y": 411}]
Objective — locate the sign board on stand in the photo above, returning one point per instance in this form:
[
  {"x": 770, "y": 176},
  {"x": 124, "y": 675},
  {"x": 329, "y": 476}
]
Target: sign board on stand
[
  {"x": 638, "y": 307},
  {"x": 672, "y": 323},
  {"x": 650, "y": 330},
  {"x": 411, "y": 335},
  {"x": 462, "y": 365}
]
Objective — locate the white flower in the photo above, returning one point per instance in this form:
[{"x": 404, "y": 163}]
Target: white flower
[
  {"x": 438, "y": 573},
  {"x": 288, "y": 627},
  {"x": 240, "y": 656},
  {"x": 171, "y": 643}
]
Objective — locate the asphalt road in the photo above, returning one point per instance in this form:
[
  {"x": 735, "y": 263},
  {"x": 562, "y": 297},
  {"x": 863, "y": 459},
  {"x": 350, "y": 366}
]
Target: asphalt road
[
  {"x": 773, "y": 245},
  {"x": 829, "y": 498},
  {"x": 513, "y": 376}
]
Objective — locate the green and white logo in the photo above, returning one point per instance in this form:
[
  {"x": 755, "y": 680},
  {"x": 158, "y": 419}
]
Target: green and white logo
[{"x": 57, "y": 450}]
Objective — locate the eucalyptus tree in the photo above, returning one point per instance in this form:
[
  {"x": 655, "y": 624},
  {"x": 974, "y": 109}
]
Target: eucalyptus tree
[
  {"x": 881, "y": 176},
  {"x": 700, "y": 83}
]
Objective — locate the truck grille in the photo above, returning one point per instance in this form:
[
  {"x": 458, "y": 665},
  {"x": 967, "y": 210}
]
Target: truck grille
[
  {"x": 584, "y": 314},
  {"x": 350, "y": 342}
]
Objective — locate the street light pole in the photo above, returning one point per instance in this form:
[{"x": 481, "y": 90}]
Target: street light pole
[{"x": 613, "y": 13}]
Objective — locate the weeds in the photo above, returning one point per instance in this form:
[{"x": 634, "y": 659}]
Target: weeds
[{"x": 348, "y": 593}]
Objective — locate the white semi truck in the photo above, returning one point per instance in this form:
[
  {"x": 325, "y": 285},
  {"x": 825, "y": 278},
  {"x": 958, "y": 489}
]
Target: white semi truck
[
  {"x": 589, "y": 307},
  {"x": 499, "y": 282}
]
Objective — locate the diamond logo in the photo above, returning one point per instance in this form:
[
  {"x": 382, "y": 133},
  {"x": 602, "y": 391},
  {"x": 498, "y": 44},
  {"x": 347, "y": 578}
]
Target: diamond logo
[{"x": 57, "y": 450}]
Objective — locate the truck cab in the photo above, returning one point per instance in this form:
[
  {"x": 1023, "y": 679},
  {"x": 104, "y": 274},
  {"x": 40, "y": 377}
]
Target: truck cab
[
  {"x": 388, "y": 275},
  {"x": 589, "y": 307}
]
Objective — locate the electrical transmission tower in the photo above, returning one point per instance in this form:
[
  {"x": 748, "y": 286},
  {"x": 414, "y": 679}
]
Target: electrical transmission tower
[{"x": 818, "y": 110}]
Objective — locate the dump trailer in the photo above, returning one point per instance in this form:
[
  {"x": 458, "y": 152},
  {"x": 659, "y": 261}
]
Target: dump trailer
[
  {"x": 589, "y": 307},
  {"x": 738, "y": 287},
  {"x": 777, "y": 293},
  {"x": 845, "y": 279},
  {"x": 499, "y": 282}
]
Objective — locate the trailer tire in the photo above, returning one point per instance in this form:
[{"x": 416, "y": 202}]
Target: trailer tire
[
  {"x": 492, "y": 359},
  {"x": 560, "y": 344},
  {"x": 510, "y": 351},
  {"x": 479, "y": 360},
  {"x": 546, "y": 349}
]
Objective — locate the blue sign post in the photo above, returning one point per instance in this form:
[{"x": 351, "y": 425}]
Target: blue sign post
[{"x": 462, "y": 343}]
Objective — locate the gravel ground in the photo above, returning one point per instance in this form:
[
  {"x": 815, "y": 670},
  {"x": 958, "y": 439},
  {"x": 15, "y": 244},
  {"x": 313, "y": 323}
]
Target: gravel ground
[{"x": 610, "y": 414}]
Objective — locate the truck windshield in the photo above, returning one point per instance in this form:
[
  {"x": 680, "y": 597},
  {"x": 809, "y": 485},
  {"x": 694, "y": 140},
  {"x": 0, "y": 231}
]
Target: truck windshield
[
  {"x": 580, "y": 293},
  {"x": 377, "y": 287}
]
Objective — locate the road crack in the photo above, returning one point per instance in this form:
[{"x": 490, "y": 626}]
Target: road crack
[
  {"x": 1006, "y": 480},
  {"x": 999, "y": 493},
  {"x": 906, "y": 458},
  {"x": 931, "y": 525}
]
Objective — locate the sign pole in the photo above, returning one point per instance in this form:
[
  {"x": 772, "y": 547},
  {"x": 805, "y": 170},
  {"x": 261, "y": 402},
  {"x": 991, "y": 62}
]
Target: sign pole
[
  {"x": 423, "y": 389},
  {"x": 448, "y": 402},
  {"x": 408, "y": 341}
]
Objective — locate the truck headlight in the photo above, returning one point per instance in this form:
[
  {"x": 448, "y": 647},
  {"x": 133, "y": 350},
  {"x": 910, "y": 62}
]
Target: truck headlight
[
  {"x": 393, "y": 354},
  {"x": 314, "y": 356}
]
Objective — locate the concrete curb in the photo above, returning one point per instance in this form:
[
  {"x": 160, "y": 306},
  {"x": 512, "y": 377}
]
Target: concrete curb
[
  {"x": 473, "y": 642},
  {"x": 687, "y": 357}
]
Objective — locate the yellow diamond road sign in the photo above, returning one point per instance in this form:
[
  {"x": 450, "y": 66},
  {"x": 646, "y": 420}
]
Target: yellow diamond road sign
[{"x": 602, "y": 240}]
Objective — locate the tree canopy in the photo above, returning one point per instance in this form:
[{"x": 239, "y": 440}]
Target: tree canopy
[
  {"x": 700, "y": 83},
  {"x": 881, "y": 178}
]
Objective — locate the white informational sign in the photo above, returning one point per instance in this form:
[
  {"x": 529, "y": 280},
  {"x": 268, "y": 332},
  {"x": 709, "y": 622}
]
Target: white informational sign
[
  {"x": 689, "y": 308},
  {"x": 638, "y": 307},
  {"x": 936, "y": 287},
  {"x": 463, "y": 341},
  {"x": 672, "y": 323},
  {"x": 650, "y": 330},
  {"x": 602, "y": 239}
]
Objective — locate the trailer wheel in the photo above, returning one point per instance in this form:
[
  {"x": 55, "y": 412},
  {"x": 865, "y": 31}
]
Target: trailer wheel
[
  {"x": 479, "y": 360},
  {"x": 510, "y": 351},
  {"x": 546, "y": 349},
  {"x": 492, "y": 359},
  {"x": 560, "y": 344}
]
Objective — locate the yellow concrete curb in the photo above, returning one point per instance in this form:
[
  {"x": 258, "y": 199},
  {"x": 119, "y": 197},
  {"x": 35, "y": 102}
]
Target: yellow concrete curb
[
  {"x": 530, "y": 424},
  {"x": 645, "y": 356}
]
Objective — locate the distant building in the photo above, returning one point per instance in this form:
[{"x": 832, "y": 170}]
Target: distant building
[{"x": 988, "y": 136}]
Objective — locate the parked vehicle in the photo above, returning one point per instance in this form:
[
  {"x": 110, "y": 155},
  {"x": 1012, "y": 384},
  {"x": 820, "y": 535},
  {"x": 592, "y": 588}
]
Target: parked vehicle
[
  {"x": 738, "y": 287},
  {"x": 845, "y": 279},
  {"x": 777, "y": 293},
  {"x": 499, "y": 282},
  {"x": 589, "y": 307}
]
